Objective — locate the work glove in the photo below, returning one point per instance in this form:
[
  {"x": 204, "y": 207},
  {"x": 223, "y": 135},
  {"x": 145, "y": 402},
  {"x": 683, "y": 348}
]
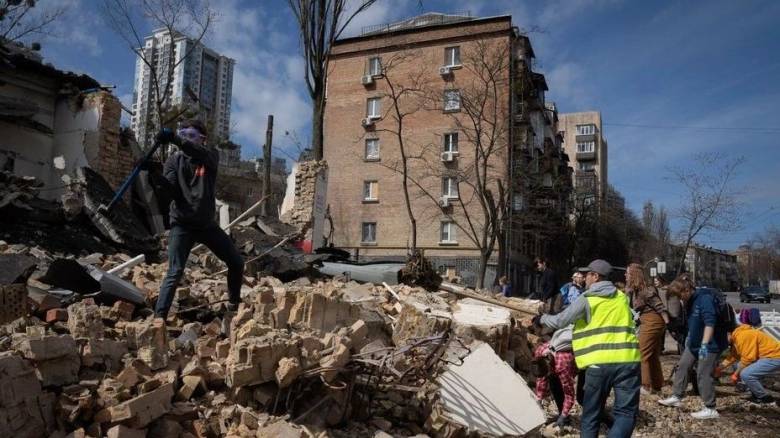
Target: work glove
[
  {"x": 734, "y": 378},
  {"x": 166, "y": 136},
  {"x": 703, "y": 352},
  {"x": 562, "y": 420}
]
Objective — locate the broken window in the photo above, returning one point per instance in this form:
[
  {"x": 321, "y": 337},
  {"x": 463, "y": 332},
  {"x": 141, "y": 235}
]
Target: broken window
[
  {"x": 372, "y": 149},
  {"x": 451, "y": 100},
  {"x": 368, "y": 233},
  {"x": 447, "y": 234},
  {"x": 375, "y": 66},
  {"x": 373, "y": 109},
  {"x": 449, "y": 187},
  {"x": 451, "y": 142},
  {"x": 452, "y": 56},
  {"x": 370, "y": 190}
]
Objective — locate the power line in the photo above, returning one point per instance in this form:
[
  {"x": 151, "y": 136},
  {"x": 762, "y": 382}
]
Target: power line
[{"x": 701, "y": 128}]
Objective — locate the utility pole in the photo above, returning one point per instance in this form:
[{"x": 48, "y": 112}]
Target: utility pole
[{"x": 269, "y": 136}]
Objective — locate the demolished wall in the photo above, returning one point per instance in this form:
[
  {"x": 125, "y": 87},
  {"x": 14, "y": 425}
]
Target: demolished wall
[{"x": 305, "y": 201}]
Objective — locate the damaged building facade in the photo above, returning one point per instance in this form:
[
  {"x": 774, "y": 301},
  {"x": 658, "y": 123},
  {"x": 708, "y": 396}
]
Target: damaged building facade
[
  {"x": 365, "y": 189},
  {"x": 55, "y": 122}
]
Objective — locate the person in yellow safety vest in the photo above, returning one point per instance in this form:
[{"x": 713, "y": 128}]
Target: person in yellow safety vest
[{"x": 606, "y": 347}]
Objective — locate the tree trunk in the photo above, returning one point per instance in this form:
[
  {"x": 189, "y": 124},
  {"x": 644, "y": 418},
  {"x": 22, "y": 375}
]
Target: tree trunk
[
  {"x": 318, "y": 114},
  {"x": 483, "y": 259}
]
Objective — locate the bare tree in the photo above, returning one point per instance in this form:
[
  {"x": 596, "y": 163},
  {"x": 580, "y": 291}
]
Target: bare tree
[
  {"x": 710, "y": 202},
  {"x": 130, "y": 19},
  {"x": 21, "y": 18},
  {"x": 320, "y": 24}
]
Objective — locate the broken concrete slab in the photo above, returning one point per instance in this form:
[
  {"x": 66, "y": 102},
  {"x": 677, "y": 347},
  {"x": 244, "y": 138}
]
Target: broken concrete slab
[
  {"x": 138, "y": 412},
  {"x": 477, "y": 320},
  {"x": 24, "y": 410},
  {"x": 485, "y": 395},
  {"x": 15, "y": 268}
]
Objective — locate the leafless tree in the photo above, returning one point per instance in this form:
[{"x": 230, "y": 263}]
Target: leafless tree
[
  {"x": 763, "y": 257},
  {"x": 130, "y": 19},
  {"x": 320, "y": 24},
  {"x": 710, "y": 201},
  {"x": 20, "y": 19},
  {"x": 655, "y": 223}
]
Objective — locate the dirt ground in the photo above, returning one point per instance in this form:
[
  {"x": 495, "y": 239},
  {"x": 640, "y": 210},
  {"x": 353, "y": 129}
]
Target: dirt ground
[{"x": 738, "y": 418}]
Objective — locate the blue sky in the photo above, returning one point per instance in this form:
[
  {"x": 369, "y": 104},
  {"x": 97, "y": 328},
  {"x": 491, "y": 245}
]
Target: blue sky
[{"x": 677, "y": 68}]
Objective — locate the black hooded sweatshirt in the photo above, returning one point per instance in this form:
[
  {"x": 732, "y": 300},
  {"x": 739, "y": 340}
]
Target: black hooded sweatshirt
[{"x": 192, "y": 174}]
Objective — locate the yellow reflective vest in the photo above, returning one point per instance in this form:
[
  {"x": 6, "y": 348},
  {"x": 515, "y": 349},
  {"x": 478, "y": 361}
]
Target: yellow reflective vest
[{"x": 610, "y": 335}]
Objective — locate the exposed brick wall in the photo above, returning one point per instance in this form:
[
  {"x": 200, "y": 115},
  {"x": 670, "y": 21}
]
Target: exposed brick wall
[{"x": 114, "y": 161}]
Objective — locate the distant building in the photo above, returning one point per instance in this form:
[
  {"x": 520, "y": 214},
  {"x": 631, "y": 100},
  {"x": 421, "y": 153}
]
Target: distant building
[
  {"x": 712, "y": 267},
  {"x": 365, "y": 195},
  {"x": 240, "y": 182},
  {"x": 202, "y": 81},
  {"x": 584, "y": 142}
]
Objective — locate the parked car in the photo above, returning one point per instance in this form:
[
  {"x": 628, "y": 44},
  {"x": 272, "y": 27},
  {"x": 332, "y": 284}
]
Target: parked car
[{"x": 755, "y": 293}]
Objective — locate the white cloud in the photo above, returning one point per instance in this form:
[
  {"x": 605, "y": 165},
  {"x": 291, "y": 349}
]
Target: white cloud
[
  {"x": 268, "y": 76},
  {"x": 75, "y": 28},
  {"x": 381, "y": 12},
  {"x": 567, "y": 81}
]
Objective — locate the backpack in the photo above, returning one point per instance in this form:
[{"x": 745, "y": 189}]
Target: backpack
[{"x": 727, "y": 318}]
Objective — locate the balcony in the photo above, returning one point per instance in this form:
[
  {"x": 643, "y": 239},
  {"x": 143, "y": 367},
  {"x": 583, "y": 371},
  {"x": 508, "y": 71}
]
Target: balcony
[
  {"x": 585, "y": 156},
  {"x": 585, "y": 137}
]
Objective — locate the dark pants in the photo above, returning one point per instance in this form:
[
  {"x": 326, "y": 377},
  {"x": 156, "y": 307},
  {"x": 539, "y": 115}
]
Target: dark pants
[
  {"x": 180, "y": 243},
  {"x": 599, "y": 382},
  {"x": 556, "y": 389}
]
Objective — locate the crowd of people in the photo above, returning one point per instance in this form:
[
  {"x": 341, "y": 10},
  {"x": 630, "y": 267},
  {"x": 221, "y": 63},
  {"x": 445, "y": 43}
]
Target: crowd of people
[{"x": 600, "y": 338}]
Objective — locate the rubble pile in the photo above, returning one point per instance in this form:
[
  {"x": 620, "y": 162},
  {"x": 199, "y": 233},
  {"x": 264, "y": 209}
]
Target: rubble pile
[
  {"x": 297, "y": 358},
  {"x": 17, "y": 191}
]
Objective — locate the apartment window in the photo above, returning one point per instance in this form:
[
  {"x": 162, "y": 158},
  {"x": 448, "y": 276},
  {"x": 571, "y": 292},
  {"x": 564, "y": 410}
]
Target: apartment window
[
  {"x": 368, "y": 233},
  {"x": 586, "y": 146},
  {"x": 586, "y": 129},
  {"x": 451, "y": 100},
  {"x": 371, "y": 191},
  {"x": 518, "y": 203},
  {"x": 547, "y": 180},
  {"x": 372, "y": 149},
  {"x": 447, "y": 233},
  {"x": 373, "y": 108},
  {"x": 375, "y": 66},
  {"x": 449, "y": 187},
  {"x": 586, "y": 166},
  {"x": 451, "y": 142},
  {"x": 452, "y": 56}
]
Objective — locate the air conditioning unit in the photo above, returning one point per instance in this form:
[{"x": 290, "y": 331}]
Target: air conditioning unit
[
  {"x": 448, "y": 157},
  {"x": 368, "y": 121},
  {"x": 444, "y": 201},
  {"x": 367, "y": 80},
  {"x": 445, "y": 70}
]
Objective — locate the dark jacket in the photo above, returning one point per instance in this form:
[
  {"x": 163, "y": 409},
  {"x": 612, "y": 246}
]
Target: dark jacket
[
  {"x": 548, "y": 283},
  {"x": 702, "y": 312},
  {"x": 192, "y": 174}
]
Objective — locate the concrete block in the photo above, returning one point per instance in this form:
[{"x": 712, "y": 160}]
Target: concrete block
[
  {"x": 254, "y": 360},
  {"x": 138, "y": 412},
  {"x": 151, "y": 339},
  {"x": 121, "y": 431},
  {"x": 485, "y": 396},
  {"x": 105, "y": 352},
  {"x": 189, "y": 386},
  {"x": 48, "y": 347},
  {"x": 84, "y": 320},
  {"x": 475, "y": 320},
  {"x": 287, "y": 371},
  {"x": 59, "y": 371}
]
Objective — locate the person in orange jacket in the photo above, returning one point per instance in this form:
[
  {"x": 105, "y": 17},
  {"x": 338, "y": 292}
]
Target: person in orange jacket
[{"x": 758, "y": 355}]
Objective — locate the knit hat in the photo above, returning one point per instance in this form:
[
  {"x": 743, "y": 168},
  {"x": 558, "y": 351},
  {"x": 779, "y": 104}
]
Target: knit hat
[
  {"x": 744, "y": 316},
  {"x": 755, "y": 317}
]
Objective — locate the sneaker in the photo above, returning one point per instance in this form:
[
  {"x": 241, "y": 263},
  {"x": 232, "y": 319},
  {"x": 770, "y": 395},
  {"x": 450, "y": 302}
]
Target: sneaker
[
  {"x": 705, "y": 414},
  {"x": 672, "y": 402},
  {"x": 761, "y": 400}
]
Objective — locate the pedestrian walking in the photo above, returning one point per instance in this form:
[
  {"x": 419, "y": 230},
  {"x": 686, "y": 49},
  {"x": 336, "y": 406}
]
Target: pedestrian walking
[
  {"x": 646, "y": 301},
  {"x": 704, "y": 341},
  {"x": 758, "y": 356},
  {"x": 191, "y": 177},
  {"x": 605, "y": 346}
]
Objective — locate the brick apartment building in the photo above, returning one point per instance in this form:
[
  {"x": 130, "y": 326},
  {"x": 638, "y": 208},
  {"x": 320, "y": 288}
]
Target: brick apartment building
[{"x": 436, "y": 53}]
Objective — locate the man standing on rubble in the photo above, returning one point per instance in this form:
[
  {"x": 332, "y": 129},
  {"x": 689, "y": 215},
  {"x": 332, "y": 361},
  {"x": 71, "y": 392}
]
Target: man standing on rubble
[
  {"x": 606, "y": 347},
  {"x": 191, "y": 176}
]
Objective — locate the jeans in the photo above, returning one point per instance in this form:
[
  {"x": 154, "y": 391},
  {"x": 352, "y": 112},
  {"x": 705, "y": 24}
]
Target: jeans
[
  {"x": 753, "y": 373},
  {"x": 600, "y": 380},
  {"x": 703, "y": 376},
  {"x": 180, "y": 243}
]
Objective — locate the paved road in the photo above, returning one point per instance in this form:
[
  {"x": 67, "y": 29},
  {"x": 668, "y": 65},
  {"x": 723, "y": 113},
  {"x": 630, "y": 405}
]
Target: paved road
[{"x": 733, "y": 299}]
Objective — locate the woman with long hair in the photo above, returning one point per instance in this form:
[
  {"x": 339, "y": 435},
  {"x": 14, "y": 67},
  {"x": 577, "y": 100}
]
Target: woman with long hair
[{"x": 653, "y": 318}]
